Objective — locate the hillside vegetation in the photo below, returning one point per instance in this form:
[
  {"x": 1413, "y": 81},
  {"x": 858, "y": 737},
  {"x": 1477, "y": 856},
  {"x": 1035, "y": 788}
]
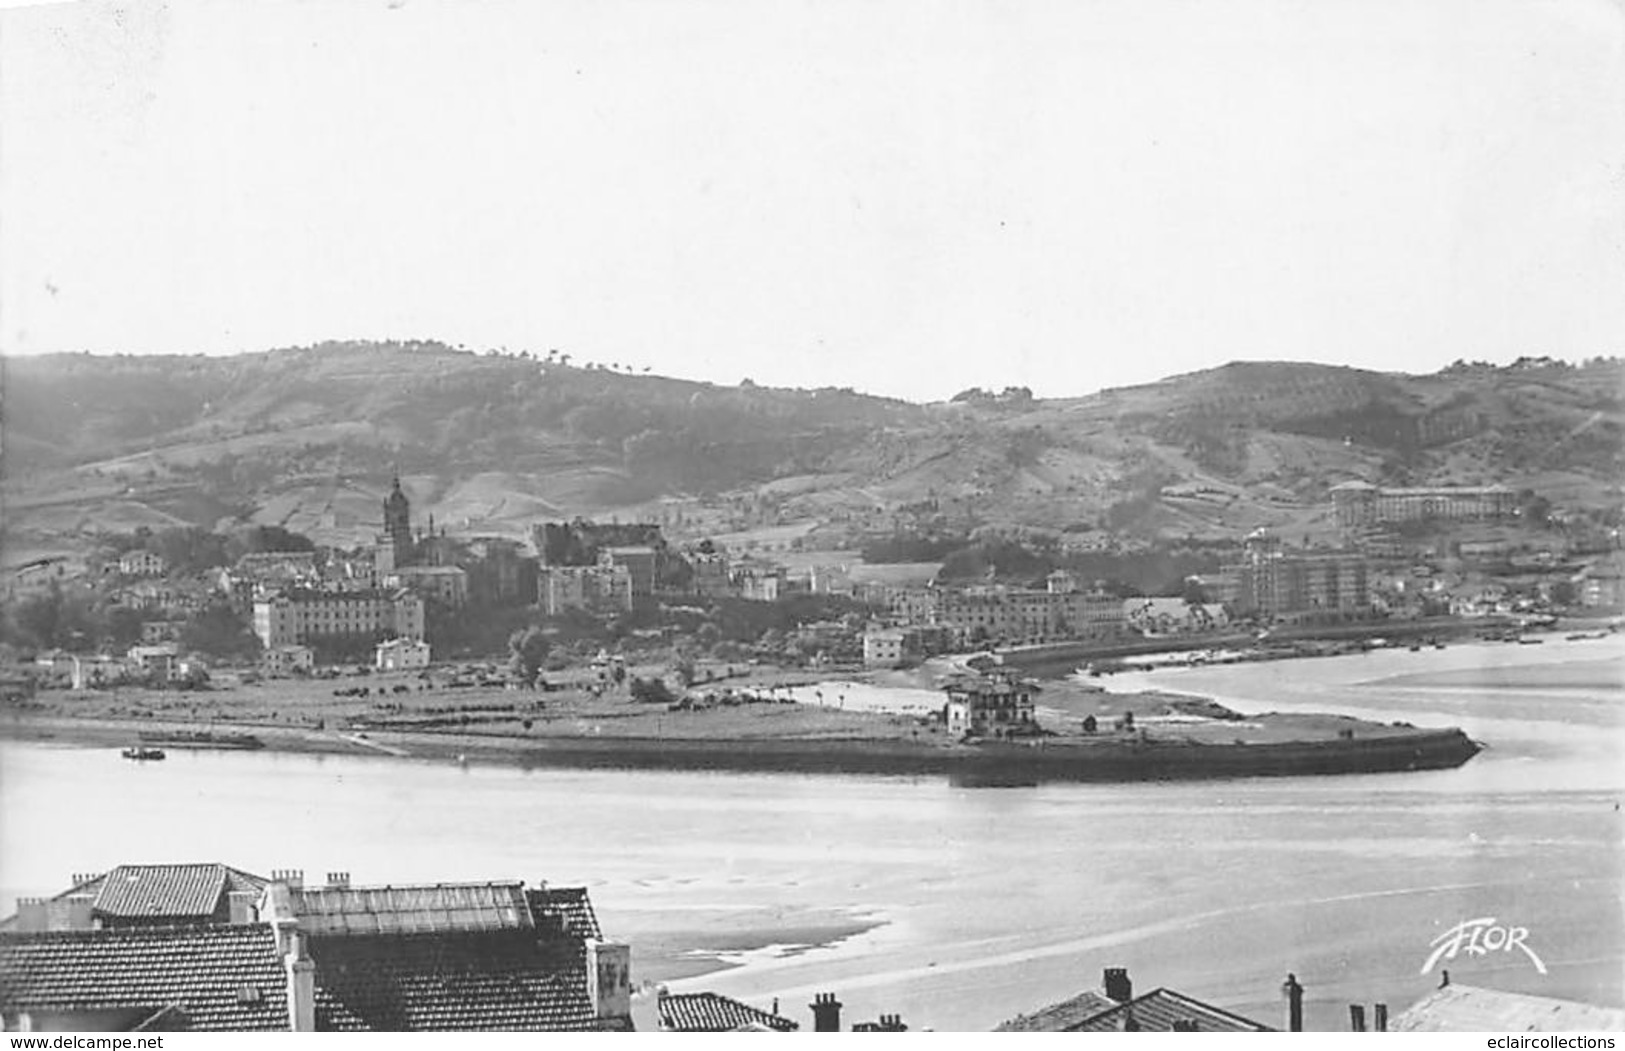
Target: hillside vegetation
[{"x": 309, "y": 437}]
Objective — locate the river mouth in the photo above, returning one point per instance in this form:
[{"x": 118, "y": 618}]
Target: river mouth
[{"x": 901, "y": 893}]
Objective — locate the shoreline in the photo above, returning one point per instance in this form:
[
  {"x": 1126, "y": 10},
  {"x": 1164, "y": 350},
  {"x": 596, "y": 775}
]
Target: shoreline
[{"x": 1107, "y": 758}]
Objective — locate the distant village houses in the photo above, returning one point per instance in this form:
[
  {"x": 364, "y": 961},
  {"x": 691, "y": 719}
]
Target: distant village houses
[{"x": 139, "y": 563}]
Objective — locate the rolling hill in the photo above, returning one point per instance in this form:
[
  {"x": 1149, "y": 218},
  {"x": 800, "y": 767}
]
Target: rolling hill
[{"x": 309, "y": 437}]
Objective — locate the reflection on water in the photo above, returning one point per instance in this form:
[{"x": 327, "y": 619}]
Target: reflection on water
[{"x": 954, "y": 906}]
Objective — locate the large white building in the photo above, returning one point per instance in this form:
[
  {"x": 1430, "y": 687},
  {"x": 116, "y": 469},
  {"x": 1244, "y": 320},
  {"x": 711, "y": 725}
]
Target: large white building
[
  {"x": 296, "y": 616},
  {"x": 401, "y": 655},
  {"x": 1362, "y": 504}
]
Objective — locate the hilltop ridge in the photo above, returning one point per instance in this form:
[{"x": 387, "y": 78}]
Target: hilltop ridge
[{"x": 308, "y": 437}]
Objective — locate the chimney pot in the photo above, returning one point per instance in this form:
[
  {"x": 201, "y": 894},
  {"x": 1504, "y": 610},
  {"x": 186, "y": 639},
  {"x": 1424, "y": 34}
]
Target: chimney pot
[{"x": 826, "y": 1013}]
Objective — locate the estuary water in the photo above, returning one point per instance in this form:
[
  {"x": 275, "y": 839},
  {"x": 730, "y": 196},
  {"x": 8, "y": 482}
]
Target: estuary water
[{"x": 960, "y": 907}]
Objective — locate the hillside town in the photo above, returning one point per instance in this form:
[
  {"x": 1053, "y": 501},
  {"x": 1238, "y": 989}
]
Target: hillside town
[
  {"x": 419, "y": 593},
  {"x": 819, "y": 518}
]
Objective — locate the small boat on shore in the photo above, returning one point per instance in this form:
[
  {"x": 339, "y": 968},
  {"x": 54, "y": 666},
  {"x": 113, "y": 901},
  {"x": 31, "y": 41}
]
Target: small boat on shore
[{"x": 143, "y": 754}]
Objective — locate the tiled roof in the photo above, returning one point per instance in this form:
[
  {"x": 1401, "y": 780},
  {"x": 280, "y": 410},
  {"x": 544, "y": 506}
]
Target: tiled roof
[
  {"x": 711, "y": 1013},
  {"x": 173, "y": 891},
  {"x": 1058, "y": 1018},
  {"x": 412, "y": 909},
  {"x": 216, "y": 978},
  {"x": 568, "y": 907},
  {"x": 501, "y": 980},
  {"x": 1468, "y": 1009},
  {"x": 1159, "y": 1010}
]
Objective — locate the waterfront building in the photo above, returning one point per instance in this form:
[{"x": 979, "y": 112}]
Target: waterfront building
[
  {"x": 1173, "y": 616},
  {"x": 157, "y": 662},
  {"x": 998, "y": 613},
  {"x": 997, "y": 705},
  {"x": 300, "y": 615},
  {"x": 212, "y": 948},
  {"x": 1274, "y": 584},
  {"x": 281, "y": 661},
  {"x": 1360, "y": 504},
  {"x": 1115, "y": 1009},
  {"x": 401, "y": 655}
]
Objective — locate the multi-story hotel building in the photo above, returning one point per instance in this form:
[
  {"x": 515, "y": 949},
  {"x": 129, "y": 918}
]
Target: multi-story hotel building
[
  {"x": 995, "y": 613},
  {"x": 1362, "y": 504},
  {"x": 293, "y": 617},
  {"x": 1276, "y": 584}
]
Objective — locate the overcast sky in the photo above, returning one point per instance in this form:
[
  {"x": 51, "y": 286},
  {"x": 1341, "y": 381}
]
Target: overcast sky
[{"x": 906, "y": 197}]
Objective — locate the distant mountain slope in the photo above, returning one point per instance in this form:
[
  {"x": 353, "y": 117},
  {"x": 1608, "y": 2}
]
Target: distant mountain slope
[{"x": 308, "y": 437}]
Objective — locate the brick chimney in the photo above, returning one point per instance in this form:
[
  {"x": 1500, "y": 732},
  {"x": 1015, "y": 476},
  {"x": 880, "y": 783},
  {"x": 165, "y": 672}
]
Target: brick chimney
[
  {"x": 241, "y": 905},
  {"x": 1116, "y": 985},
  {"x": 826, "y": 1013},
  {"x": 276, "y": 908},
  {"x": 31, "y": 915},
  {"x": 338, "y": 881},
  {"x": 294, "y": 878},
  {"x": 301, "y": 971},
  {"x": 1294, "y": 1004},
  {"x": 609, "y": 978}
]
